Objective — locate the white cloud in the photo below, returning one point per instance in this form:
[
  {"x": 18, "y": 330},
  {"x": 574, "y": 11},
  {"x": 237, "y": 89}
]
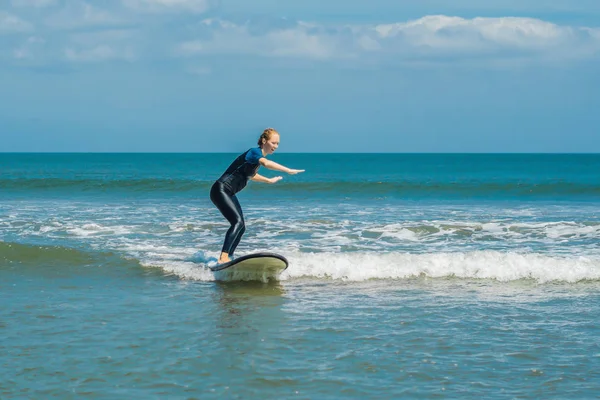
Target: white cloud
[
  {"x": 33, "y": 3},
  {"x": 27, "y": 50},
  {"x": 229, "y": 38},
  {"x": 430, "y": 37},
  {"x": 459, "y": 34},
  {"x": 101, "y": 46},
  {"x": 595, "y": 33},
  {"x": 195, "y": 6},
  {"x": 12, "y": 24},
  {"x": 80, "y": 32},
  {"x": 77, "y": 14}
]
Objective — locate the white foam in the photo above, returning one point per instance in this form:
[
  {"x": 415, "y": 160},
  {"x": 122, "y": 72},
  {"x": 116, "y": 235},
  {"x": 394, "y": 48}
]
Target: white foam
[
  {"x": 572, "y": 230},
  {"x": 183, "y": 269},
  {"x": 500, "y": 266},
  {"x": 154, "y": 251},
  {"x": 496, "y": 265},
  {"x": 93, "y": 229},
  {"x": 51, "y": 227},
  {"x": 399, "y": 232}
]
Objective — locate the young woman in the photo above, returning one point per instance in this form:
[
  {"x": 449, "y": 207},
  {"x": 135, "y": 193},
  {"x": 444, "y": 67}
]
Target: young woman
[{"x": 235, "y": 178}]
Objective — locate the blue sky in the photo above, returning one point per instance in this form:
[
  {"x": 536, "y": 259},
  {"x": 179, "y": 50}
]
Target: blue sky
[{"x": 334, "y": 76}]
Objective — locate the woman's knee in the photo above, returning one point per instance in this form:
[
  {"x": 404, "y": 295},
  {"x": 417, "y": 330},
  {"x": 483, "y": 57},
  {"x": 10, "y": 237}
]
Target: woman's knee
[{"x": 239, "y": 226}]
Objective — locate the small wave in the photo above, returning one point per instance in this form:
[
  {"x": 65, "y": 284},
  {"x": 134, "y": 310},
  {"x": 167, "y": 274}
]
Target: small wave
[
  {"x": 464, "y": 188},
  {"x": 105, "y": 185},
  {"x": 15, "y": 253},
  {"x": 500, "y": 266},
  {"x": 30, "y": 255},
  {"x": 350, "y": 266},
  {"x": 361, "y": 266},
  {"x": 399, "y": 189}
]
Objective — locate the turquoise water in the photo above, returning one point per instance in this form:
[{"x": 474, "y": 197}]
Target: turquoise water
[{"x": 418, "y": 276}]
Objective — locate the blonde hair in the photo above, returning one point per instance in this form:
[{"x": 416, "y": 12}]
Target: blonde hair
[{"x": 267, "y": 133}]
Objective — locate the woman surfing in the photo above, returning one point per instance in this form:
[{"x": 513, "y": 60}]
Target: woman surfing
[{"x": 235, "y": 178}]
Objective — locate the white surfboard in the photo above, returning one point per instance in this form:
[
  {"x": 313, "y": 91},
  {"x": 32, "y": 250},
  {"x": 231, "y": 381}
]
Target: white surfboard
[{"x": 252, "y": 267}]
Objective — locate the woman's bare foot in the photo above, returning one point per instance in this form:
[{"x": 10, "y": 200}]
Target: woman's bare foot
[{"x": 224, "y": 258}]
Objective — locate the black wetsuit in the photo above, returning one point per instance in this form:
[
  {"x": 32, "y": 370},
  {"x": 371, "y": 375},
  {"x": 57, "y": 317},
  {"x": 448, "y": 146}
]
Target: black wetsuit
[{"x": 223, "y": 191}]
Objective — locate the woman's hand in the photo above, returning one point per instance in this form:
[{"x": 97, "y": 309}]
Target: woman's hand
[
  {"x": 275, "y": 179},
  {"x": 295, "y": 171}
]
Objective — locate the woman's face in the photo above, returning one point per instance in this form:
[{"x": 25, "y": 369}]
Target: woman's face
[{"x": 270, "y": 145}]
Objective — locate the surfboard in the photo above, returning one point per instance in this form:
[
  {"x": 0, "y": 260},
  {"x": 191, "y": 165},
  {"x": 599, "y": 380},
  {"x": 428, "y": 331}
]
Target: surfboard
[{"x": 256, "y": 266}]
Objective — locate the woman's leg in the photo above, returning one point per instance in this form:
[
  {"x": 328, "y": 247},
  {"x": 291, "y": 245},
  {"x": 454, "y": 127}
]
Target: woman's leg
[
  {"x": 229, "y": 206},
  {"x": 241, "y": 231}
]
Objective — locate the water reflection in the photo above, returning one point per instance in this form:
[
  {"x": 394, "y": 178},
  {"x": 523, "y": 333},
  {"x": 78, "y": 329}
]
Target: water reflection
[{"x": 249, "y": 306}]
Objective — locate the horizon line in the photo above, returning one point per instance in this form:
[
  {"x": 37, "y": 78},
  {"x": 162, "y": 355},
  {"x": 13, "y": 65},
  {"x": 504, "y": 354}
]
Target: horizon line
[{"x": 289, "y": 152}]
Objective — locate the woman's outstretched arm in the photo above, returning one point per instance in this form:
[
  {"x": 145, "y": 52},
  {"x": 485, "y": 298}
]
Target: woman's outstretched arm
[{"x": 278, "y": 167}]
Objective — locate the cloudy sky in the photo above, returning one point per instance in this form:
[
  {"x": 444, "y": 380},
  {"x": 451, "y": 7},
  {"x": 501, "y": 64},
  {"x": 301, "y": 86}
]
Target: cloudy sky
[{"x": 331, "y": 76}]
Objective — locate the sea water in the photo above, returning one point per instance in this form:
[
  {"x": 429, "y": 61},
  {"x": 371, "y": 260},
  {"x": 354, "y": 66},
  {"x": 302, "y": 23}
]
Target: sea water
[{"x": 411, "y": 275}]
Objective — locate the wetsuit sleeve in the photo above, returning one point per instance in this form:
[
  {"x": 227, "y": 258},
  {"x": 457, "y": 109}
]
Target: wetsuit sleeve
[{"x": 254, "y": 155}]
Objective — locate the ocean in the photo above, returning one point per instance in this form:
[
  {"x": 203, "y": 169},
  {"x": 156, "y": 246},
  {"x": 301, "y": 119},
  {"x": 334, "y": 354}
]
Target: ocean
[{"x": 411, "y": 275}]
